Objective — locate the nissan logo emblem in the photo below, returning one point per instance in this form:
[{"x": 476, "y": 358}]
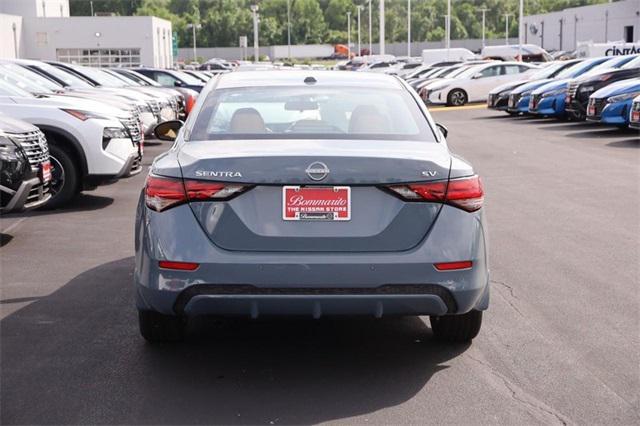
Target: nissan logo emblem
[{"x": 317, "y": 171}]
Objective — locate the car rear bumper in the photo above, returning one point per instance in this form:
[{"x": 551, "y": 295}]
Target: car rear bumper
[{"x": 312, "y": 283}]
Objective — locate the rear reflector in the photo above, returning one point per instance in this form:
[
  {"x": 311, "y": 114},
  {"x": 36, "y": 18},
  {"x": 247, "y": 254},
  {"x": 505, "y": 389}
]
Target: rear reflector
[
  {"x": 178, "y": 266},
  {"x": 466, "y": 193},
  {"x": 453, "y": 266},
  {"x": 162, "y": 193}
]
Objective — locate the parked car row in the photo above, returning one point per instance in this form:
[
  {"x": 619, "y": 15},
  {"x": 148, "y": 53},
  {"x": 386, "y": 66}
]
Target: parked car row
[
  {"x": 66, "y": 128},
  {"x": 595, "y": 89}
]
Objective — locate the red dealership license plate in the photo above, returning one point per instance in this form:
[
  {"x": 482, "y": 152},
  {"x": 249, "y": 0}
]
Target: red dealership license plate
[
  {"x": 332, "y": 203},
  {"x": 45, "y": 171},
  {"x": 635, "y": 116},
  {"x": 591, "y": 109}
]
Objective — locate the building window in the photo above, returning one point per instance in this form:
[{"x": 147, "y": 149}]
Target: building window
[
  {"x": 101, "y": 57},
  {"x": 628, "y": 34}
]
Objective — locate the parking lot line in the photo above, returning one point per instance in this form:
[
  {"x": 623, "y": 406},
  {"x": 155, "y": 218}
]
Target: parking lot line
[{"x": 446, "y": 108}]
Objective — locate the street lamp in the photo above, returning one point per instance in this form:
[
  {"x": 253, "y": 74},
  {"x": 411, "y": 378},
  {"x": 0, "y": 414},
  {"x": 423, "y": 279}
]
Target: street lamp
[
  {"x": 256, "y": 48},
  {"x": 409, "y": 28},
  {"x": 359, "y": 7},
  {"x": 520, "y": 29},
  {"x": 194, "y": 27},
  {"x": 484, "y": 11},
  {"x": 381, "y": 27},
  {"x": 506, "y": 27},
  {"x": 348, "y": 34},
  {"x": 370, "y": 32},
  {"x": 289, "y": 28},
  {"x": 448, "y": 29},
  {"x": 14, "y": 27}
]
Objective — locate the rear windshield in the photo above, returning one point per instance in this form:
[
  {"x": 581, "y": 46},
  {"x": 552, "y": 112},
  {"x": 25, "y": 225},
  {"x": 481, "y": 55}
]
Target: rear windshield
[{"x": 310, "y": 113}]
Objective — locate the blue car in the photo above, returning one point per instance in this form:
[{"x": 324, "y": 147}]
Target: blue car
[
  {"x": 549, "y": 99},
  {"x": 314, "y": 194},
  {"x": 612, "y": 104}
]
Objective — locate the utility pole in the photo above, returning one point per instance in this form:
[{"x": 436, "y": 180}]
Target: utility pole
[
  {"x": 359, "y": 47},
  {"x": 194, "y": 27},
  {"x": 256, "y": 48},
  {"x": 91, "y": 4},
  {"x": 448, "y": 28},
  {"x": 520, "y": 28},
  {"x": 382, "y": 27},
  {"x": 506, "y": 27},
  {"x": 349, "y": 35},
  {"x": 409, "y": 28},
  {"x": 484, "y": 12},
  {"x": 289, "y": 28},
  {"x": 370, "y": 32}
]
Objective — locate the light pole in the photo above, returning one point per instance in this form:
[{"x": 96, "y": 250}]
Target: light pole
[
  {"x": 359, "y": 47},
  {"x": 382, "y": 27},
  {"x": 14, "y": 27},
  {"x": 256, "y": 48},
  {"x": 370, "y": 32},
  {"x": 91, "y": 4},
  {"x": 289, "y": 28},
  {"x": 349, "y": 35},
  {"x": 484, "y": 11},
  {"x": 194, "y": 27},
  {"x": 520, "y": 29},
  {"x": 409, "y": 28},
  {"x": 506, "y": 27}
]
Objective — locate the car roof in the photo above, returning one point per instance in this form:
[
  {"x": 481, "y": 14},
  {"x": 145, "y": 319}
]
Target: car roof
[{"x": 297, "y": 78}]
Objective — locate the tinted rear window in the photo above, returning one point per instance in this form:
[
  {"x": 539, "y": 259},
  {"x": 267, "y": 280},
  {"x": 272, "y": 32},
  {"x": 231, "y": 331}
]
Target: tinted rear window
[{"x": 310, "y": 113}]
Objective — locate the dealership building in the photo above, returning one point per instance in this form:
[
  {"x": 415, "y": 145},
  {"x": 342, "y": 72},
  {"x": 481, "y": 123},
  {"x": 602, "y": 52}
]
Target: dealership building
[
  {"x": 617, "y": 21},
  {"x": 43, "y": 29}
]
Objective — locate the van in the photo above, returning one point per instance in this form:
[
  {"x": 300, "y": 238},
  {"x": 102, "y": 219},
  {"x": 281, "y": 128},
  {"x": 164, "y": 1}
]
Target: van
[
  {"x": 431, "y": 56},
  {"x": 510, "y": 52}
]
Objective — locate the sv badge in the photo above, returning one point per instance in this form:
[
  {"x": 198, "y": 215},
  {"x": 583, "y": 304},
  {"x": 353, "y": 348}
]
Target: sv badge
[{"x": 429, "y": 173}]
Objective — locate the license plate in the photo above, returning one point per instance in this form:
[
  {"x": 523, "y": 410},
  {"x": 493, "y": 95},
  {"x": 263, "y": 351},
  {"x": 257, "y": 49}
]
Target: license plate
[
  {"x": 45, "y": 171},
  {"x": 591, "y": 110},
  {"x": 332, "y": 203},
  {"x": 635, "y": 116}
]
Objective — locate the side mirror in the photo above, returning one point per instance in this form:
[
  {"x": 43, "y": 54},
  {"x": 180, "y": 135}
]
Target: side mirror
[
  {"x": 442, "y": 129},
  {"x": 168, "y": 131},
  {"x": 177, "y": 83}
]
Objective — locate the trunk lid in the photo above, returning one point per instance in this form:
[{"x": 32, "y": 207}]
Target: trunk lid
[{"x": 253, "y": 221}]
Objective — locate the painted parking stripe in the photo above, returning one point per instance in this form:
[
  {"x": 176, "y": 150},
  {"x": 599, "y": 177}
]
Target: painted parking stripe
[{"x": 445, "y": 108}]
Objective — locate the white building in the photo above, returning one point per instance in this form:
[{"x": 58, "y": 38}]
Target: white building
[
  {"x": 601, "y": 23},
  {"x": 43, "y": 29}
]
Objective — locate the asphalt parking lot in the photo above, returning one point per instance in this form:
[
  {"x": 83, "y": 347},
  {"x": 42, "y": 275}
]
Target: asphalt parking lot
[{"x": 560, "y": 342}]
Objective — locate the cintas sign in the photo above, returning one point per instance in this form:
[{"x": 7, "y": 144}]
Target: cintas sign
[{"x": 593, "y": 50}]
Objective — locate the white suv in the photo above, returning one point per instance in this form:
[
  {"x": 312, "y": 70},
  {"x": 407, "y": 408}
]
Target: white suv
[{"x": 90, "y": 143}]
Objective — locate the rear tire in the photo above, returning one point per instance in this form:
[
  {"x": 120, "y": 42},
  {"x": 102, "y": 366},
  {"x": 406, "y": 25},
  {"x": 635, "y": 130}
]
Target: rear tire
[
  {"x": 65, "y": 179},
  {"x": 457, "y": 328},
  {"x": 457, "y": 97},
  {"x": 156, "y": 327}
]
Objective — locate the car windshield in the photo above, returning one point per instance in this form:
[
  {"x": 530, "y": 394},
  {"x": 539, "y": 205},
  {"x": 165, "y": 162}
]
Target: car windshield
[
  {"x": 68, "y": 78},
  {"x": 189, "y": 79},
  {"x": 310, "y": 113},
  {"x": 579, "y": 68},
  {"x": 634, "y": 63},
  {"x": 32, "y": 76},
  {"x": 101, "y": 77},
  {"x": 549, "y": 71},
  {"x": 25, "y": 84},
  {"x": 7, "y": 89},
  {"x": 142, "y": 79},
  {"x": 128, "y": 81}
]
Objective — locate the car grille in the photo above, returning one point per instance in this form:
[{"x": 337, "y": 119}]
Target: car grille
[
  {"x": 535, "y": 100},
  {"x": 34, "y": 145},
  {"x": 155, "y": 107},
  {"x": 491, "y": 100},
  {"x": 595, "y": 107},
  {"x": 514, "y": 98},
  {"x": 132, "y": 124},
  {"x": 572, "y": 90}
]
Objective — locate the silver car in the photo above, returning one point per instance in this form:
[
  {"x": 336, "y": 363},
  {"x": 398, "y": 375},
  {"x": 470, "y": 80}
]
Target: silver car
[{"x": 310, "y": 193}]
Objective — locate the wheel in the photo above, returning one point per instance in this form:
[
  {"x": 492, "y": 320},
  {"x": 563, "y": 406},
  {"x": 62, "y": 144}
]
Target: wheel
[
  {"x": 457, "y": 328},
  {"x": 65, "y": 179},
  {"x": 156, "y": 327},
  {"x": 456, "y": 97}
]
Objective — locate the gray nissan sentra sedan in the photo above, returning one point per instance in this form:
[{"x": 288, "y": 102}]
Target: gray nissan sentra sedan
[{"x": 310, "y": 194}]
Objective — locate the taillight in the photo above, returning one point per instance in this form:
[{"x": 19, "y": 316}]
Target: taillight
[
  {"x": 190, "y": 102},
  {"x": 466, "y": 193},
  {"x": 162, "y": 193}
]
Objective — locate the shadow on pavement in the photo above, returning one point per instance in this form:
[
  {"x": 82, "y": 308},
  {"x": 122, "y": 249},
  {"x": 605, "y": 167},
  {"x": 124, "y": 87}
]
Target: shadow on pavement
[
  {"x": 76, "y": 357},
  {"x": 82, "y": 203},
  {"x": 5, "y": 239},
  {"x": 628, "y": 143},
  {"x": 601, "y": 133}
]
